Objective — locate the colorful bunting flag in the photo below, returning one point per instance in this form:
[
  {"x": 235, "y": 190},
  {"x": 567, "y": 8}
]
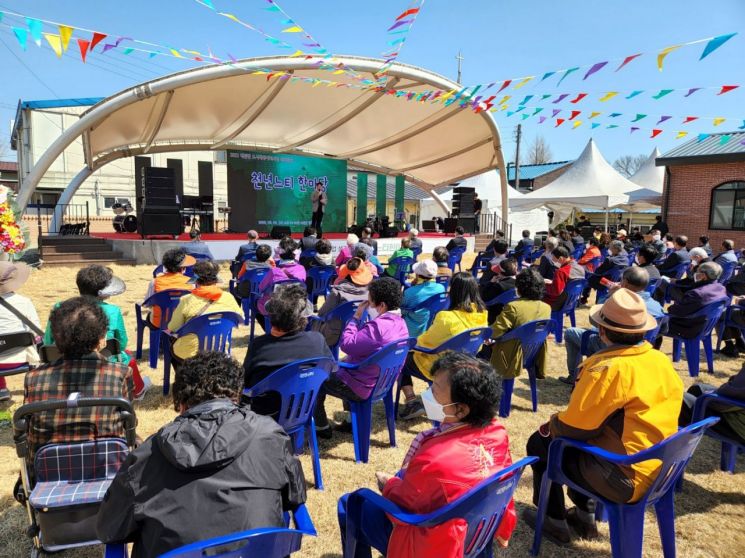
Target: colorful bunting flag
[
  {"x": 655, "y": 133},
  {"x": 594, "y": 114},
  {"x": 662, "y": 93},
  {"x": 410, "y": 11},
  {"x": 525, "y": 116},
  {"x": 692, "y": 91},
  {"x": 578, "y": 98},
  {"x": 541, "y": 119},
  {"x": 34, "y": 27},
  {"x": 690, "y": 119},
  {"x": 615, "y": 114},
  {"x": 595, "y": 125},
  {"x": 547, "y": 75},
  {"x": 577, "y": 124},
  {"x": 537, "y": 110},
  {"x": 634, "y": 94},
  {"x": 611, "y": 126},
  {"x": 681, "y": 135},
  {"x": 22, "y": 36},
  {"x": 544, "y": 97},
  {"x": 575, "y": 114},
  {"x": 715, "y": 43},
  {"x": 719, "y": 120},
  {"x": 97, "y": 38},
  {"x": 595, "y": 68},
  {"x": 555, "y": 112},
  {"x": 55, "y": 42},
  {"x": 662, "y": 119},
  {"x": 702, "y": 137},
  {"x": 727, "y": 89},
  {"x": 566, "y": 73},
  {"x": 628, "y": 59},
  {"x": 663, "y": 53},
  {"x": 523, "y": 82},
  {"x": 743, "y": 126},
  {"x": 559, "y": 122},
  {"x": 293, "y": 29},
  {"x": 505, "y": 84},
  {"x": 634, "y": 129},
  {"x": 83, "y": 46},
  {"x": 65, "y": 34},
  {"x": 608, "y": 96},
  {"x": 526, "y": 99},
  {"x": 561, "y": 98},
  {"x": 639, "y": 117},
  {"x": 723, "y": 139}
]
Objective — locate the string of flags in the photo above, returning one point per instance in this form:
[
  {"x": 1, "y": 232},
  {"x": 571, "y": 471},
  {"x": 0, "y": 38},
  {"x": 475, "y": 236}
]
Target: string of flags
[{"x": 398, "y": 32}]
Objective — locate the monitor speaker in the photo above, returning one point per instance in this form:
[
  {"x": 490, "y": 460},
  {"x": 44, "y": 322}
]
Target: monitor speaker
[
  {"x": 152, "y": 223},
  {"x": 279, "y": 232},
  {"x": 450, "y": 225},
  {"x": 468, "y": 224}
]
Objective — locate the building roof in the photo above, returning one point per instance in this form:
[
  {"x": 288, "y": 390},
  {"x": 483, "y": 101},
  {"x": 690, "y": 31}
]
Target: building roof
[
  {"x": 530, "y": 172},
  {"x": 8, "y": 166},
  {"x": 709, "y": 150}
]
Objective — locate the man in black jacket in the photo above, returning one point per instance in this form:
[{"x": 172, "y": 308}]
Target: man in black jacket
[
  {"x": 218, "y": 468},
  {"x": 611, "y": 268},
  {"x": 660, "y": 225},
  {"x": 677, "y": 257}
]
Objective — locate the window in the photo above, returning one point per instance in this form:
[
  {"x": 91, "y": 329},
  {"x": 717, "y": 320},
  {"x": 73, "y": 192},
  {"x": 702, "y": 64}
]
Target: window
[
  {"x": 728, "y": 206},
  {"x": 221, "y": 157}
]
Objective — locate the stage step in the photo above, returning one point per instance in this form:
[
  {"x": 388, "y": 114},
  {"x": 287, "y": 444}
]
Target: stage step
[
  {"x": 79, "y": 251},
  {"x": 482, "y": 241}
]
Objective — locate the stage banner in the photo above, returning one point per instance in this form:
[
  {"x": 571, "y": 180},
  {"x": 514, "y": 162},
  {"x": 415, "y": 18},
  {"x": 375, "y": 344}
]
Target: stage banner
[
  {"x": 361, "y": 198},
  {"x": 267, "y": 190},
  {"x": 380, "y": 195}
]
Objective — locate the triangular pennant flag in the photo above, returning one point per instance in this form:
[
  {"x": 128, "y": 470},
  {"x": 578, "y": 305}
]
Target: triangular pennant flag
[
  {"x": 108, "y": 46},
  {"x": 639, "y": 117},
  {"x": 55, "y": 42},
  {"x": 628, "y": 59},
  {"x": 510, "y": 113},
  {"x": 130, "y": 50},
  {"x": 541, "y": 119},
  {"x": 559, "y": 122},
  {"x": 578, "y": 98},
  {"x": 83, "y": 46},
  {"x": 718, "y": 120},
  {"x": 520, "y": 109},
  {"x": 272, "y": 8},
  {"x": 615, "y": 114},
  {"x": 174, "y": 52},
  {"x": 743, "y": 126},
  {"x": 715, "y": 43},
  {"x": 634, "y": 129},
  {"x": 727, "y": 89},
  {"x": 595, "y": 68},
  {"x": 655, "y": 133},
  {"x": 1, "y": 16},
  {"x": 560, "y": 98},
  {"x": 702, "y": 137},
  {"x": 523, "y": 82},
  {"x": 505, "y": 84},
  {"x": 610, "y": 126},
  {"x": 594, "y": 114},
  {"x": 97, "y": 38},
  {"x": 22, "y": 36},
  {"x": 504, "y": 99},
  {"x": 400, "y": 23},
  {"x": 34, "y": 27},
  {"x": 525, "y": 100},
  {"x": 690, "y": 119},
  {"x": 609, "y": 95},
  {"x": 566, "y": 73},
  {"x": 154, "y": 54},
  {"x": 662, "y": 93},
  {"x": 293, "y": 29},
  {"x": 595, "y": 125},
  {"x": 547, "y": 75},
  {"x": 65, "y": 34},
  {"x": 724, "y": 139},
  {"x": 577, "y": 124},
  {"x": 526, "y": 116},
  {"x": 539, "y": 109},
  {"x": 681, "y": 135},
  {"x": 555, "y": 112},
  {"x": 546, "y": 96},
  {"x": 692, "y": 91},
  {"x": 297, "y": 53},
  {"x": 634, "y": 94},
  {"x": 663, "y": 53},
  {"x": 410, "y": 11},
  {"x": 208, "y": 3},
  {"x": 662, "y": 119},
  {"x": 575, "y": 114}
]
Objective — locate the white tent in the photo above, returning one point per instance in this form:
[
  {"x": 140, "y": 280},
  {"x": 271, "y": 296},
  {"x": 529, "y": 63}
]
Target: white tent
[
  {"x": 649, "y": 175},
  {"x": 589, "y": 182}
]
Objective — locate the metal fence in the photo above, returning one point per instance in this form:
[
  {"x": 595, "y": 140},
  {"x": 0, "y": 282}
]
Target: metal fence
[
  {"x": 490, "y": 223},
  {"x": 71, "y": 219}
]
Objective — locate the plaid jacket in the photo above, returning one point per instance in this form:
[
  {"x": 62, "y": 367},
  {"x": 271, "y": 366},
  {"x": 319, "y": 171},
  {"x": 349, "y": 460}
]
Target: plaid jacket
[{"x": 91, "y": 376}]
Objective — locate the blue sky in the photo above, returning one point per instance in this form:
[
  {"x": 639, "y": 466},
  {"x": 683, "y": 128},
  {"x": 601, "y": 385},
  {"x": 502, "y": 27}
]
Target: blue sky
[{"x": 498, "y": 39}]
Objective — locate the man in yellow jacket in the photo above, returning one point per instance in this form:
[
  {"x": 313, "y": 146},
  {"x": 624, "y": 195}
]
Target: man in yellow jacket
[{"x": 626, "y": 399}]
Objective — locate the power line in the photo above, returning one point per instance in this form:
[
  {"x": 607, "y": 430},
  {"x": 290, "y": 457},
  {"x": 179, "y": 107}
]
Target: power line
[{"x": 29, "y": 69}]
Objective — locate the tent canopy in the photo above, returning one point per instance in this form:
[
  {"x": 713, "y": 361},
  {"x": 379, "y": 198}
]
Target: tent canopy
[
  {"x": 649, "y": 175},
  {"x": 589, "y": 182},
  {"x": 300, "y": 110}
]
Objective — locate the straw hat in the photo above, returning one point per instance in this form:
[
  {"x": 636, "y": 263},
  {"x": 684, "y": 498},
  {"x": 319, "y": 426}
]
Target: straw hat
[
  {"x": 12, "y": 276},
  {"x": 624, "y": 312}
]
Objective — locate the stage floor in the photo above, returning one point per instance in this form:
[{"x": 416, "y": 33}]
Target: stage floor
[{"x": 213, "y": 237}]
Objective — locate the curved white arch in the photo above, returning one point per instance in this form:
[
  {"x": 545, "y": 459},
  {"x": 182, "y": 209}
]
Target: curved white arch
[{"x": 435, "y": 144}]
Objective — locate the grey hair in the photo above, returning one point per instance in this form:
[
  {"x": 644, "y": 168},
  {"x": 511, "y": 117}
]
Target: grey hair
[
  {"x": 551, "y": 243},
  {"x": 698, "y": 252},
  {"x": 712, "y": 270},
  {"x": 615, "y": 246},
  {"x": 637, "y": 278}
]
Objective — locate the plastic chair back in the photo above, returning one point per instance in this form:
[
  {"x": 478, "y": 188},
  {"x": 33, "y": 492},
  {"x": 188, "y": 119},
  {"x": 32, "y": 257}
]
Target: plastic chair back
[
  {"x": 680, "y": 270},
  {"x": 166, "y": 301},
  {"x": 573, "y": 290},
  {"x": 468, "y": 341},
  {"x": 320, "y": 277},
  {"x": 389, "y": 360},
  {"x": 578, "y": 251},
  {"x": 730, "y": 446},
  {"x": 504, "y": 298},
  {"x": 433, "y": 305},
  {"x": 531, "y": 336},
  {"x": 214, "y": 330},
  {"x": 307, "y": 254},
  {"x": 480, "y": 264},
  {"x": 728, "y": 270},
  {"x": 403, "y": 267},
  {"x": 417, "y": 252},
  {"x": 455, "y": 256},
  {"x": 711, "y": 312},
  {"x": 443, "y": 280}
]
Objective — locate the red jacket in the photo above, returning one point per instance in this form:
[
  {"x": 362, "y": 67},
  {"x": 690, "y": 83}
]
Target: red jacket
[
  {"x": 555, "y": 289},
  {"x": 445, "y": 466}
]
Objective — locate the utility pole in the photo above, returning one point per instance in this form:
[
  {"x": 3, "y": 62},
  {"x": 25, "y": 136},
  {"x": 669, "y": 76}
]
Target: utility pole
[
  {"x": 460, "y": 59},
  {"x": 518, "y": 135}
]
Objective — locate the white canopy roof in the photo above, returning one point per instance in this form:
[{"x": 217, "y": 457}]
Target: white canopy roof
[
  {"x": 589, "y": 182},
  {"x": 650, "y": 175}
]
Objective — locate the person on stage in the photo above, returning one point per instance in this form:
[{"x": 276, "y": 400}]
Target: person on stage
[{"x": 319, "y": 200}]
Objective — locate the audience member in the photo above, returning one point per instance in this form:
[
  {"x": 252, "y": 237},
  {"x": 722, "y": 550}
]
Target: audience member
[
  {"x": 727, "y": 254},
  {"x": 262, "y": 261},
  {"x": 174, "y": 262},
  {"x": 499, "y": 250},
  {"x": 287, "y": 341},
  {"x": 732, "y": 336},
  {"x": 367, "y": 234},
  {"x": 422, "y": 288},
  {"x": 674, "y": 289},
  {"x": 507, "y": 356},
  {"x": 502, "y": 280},
  {"x": 458, "y": 241},
  {"x": 323, "y": 256},
  {"x": 346, "y": 252},
  {"x": 440, "y": 257},
  {"x": 494, "y": 248},
  {"x": 592, "y": 252},
  {"x": 79, "y": 327},
  {"x": 361, "y": 340},
  {"x": 604, "y": 240},
  {"x": 654, "y": 238},
  {"x": 660, "y": 226},
  {"x": 367, "y": 245},
  {"x": 245, "y": 250},
  {"x": 583, "y": 221},
  {"x": 616, "y": 261},
  {"x": 626, "y": 399},
  {"x": 562, "y": 263},
  {"x": 576, "y": 236},
  {"x": 443, "y": 463},
  {"x": 645, "y": 257},
  {"x": 287, "y": 269},
  {"x": 308, "y": 246},
  {"x": 597, "y": 232},
  {"x": 235, "y": 467},
  {"x": 12, "y": 277},
  {"x": 207, "y": 298},
  {"x": 565, "y": 240},
  {"x": 466, "y": 311},
  {"x": 545, "y": 264},
  {"x": 525, "y": 242},
  {"x": 623, "y": 237},
  {"x": 635, "y": 279},
  {"x": 365, "y": 253},
  {"x": 669, "y": 242},
  {"x": 703, "y": 242},
  {"x": 197, "y": 247},
  {"x": 415, "y": 242},
  {"x": 403, "y": 252},
  {"x": 677, "y": 257}
]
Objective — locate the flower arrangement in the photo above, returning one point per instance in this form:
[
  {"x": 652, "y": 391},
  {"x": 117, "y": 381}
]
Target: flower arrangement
[{"x": 12, "y": 238}]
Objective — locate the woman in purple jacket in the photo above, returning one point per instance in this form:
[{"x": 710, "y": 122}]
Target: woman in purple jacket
[
  {"x": 359, "y": 341},
  {"x": 287, "y": 268}
]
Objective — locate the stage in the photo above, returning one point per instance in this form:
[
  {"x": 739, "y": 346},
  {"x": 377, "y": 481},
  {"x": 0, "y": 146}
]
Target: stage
[{"x": 224, "y": 246}]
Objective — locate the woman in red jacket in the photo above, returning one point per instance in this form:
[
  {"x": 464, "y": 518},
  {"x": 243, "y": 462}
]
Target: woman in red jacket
[
  {"x": 443, "y": 463},
  {"x": 555, "y": 296}
]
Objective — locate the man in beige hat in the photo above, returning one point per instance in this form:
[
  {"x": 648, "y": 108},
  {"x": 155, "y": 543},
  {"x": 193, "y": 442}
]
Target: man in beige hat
[{"x": 626, "y": 399}]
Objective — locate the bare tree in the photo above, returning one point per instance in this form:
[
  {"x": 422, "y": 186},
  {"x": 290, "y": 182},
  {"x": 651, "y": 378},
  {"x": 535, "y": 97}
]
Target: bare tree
[
  {"x": 539, "y": 152},
  {"x": 629, "y": 164}
]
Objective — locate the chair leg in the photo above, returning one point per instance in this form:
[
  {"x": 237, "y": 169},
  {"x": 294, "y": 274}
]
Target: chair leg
[
  {"x": 728, "y": 457},
  {"x": 709, "y": 353},
  {"x": 154, "y": 349},
  {"x": 665, "y": 509},
  {"x": 693, "y": 356},
  {"x": 361, "y": 423},
  {"x": 390, "y": 417},
  {"x": 626, "y": 530},
  {"x": 559, "y": 334},
  {"x": 572, "y": 318},
  {"x": 140, "y": 339},
  {"x": 676, "y": 349},
  {"x": 315, "y": 454},
  {"x": 541, "y": 514},
  {"x": 533, "y": 390},
  {"x": 166, "y": 365},
  {"x": 398, "y": 398},
  {"x": 505, "y": 402}
]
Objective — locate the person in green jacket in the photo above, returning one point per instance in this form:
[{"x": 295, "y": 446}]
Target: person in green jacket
[{"x": 403, "y": 252}]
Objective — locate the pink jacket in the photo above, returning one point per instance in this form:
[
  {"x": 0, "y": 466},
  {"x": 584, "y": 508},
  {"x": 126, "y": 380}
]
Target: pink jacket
[
  {"x": 345, "y": 254},
  {"x": 282, "y": 272}
]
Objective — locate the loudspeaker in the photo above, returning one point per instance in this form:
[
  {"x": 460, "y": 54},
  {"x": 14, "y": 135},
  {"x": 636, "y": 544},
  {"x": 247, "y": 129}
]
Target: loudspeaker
[
  {"x": 428, "y": 225},
  {"x": 159, "y": 223},
  {"x": 450, "y": 225},
  {"x": 468, "y": 224},
  {"x": 157, "y": 190},
  {"x": 279, "y": 232},
  {"x": 463, "y": 201},
  {"x": 389, "y": 232}
]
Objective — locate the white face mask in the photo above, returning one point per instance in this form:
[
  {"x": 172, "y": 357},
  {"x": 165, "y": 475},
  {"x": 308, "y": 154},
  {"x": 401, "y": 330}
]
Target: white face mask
[
  {"x": 435, "y": 411},
  {"x": 372, "y": 312}
]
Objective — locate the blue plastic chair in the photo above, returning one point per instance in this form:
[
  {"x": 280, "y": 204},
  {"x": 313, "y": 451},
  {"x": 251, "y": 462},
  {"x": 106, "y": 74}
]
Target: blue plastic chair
[
  {"x": 650, "y": 336},
  {"x": 298, "y": 384},
  {"x": 403, "y": 268},
  {"x": 482, "y": 508},
  {"x": 573, "y": 290},
  {"x": 389, "y": 360},
  {"x": 614, "y": 274},
  {"x": 730, "y": 447},
  {"x": 267, "y": 542},
  {"x": 595, "y": 262},
  {"x": 468, "y": 341},
  {"x": 433, "y": 305},
  {"x": 525, "y": 255},
  {"x": 652, "y": 285},
  {"x": 532, "y": 337},
  {"x": 480, "y": 264},
  {"x": 504, "y": 298},
  {"x": 307, "y": 254},
  {"x": 578, "y": 251},
  {"x": 728, "y": 270},
  {"x": 167, "y": 301},
  {"x": 254, "y": 278},
  {"x": 603, "y": 253},
  {"x": 443, "y": 280},
  {"x": 321, "y": 277},
  {"x": 712, "y": 312},
  {"x": 632, "y": 255},
  {"x": 214, "y": 331},
  {"x": 454, "y": 258},
  {"x": 189, "y": 271},
  {"x": 727, "y": 321},
  {"x": 417, "y": 252},
  {"x": 627, "y": 520},
  {"x": 344, "y": 313}
]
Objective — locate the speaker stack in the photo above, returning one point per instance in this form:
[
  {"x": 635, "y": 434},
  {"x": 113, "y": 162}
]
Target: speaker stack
[
  {"x": 159, "y": 210},
  {"x": 463, "y": 208}
]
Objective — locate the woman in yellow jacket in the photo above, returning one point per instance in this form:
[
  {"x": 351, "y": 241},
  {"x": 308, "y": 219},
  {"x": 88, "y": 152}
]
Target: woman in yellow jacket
[{"x": 466, "y": 311}]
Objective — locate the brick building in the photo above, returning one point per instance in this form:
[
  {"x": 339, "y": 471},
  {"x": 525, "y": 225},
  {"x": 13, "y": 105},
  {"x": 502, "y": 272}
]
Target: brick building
[
  {"x": 9, "y": 175},
  {"x": 533, "y": 177},
  {"x": 705, "y": 188}
]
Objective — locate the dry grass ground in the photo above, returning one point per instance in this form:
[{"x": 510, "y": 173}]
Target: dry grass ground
[{"x": 710, "y": 511}]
